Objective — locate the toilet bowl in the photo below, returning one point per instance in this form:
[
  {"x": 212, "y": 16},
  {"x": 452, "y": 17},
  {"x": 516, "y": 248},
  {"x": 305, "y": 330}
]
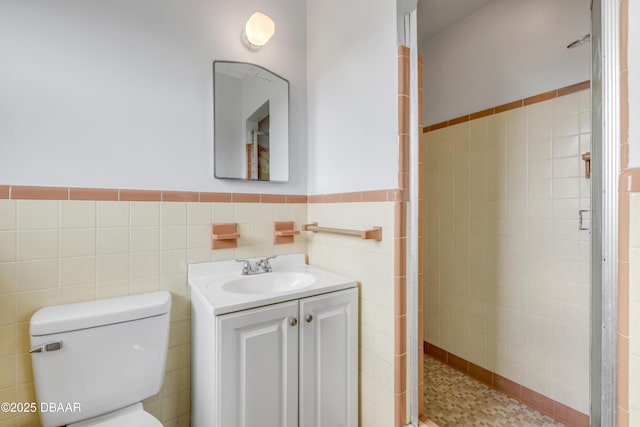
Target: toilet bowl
[{"x": 96, "y": 361}]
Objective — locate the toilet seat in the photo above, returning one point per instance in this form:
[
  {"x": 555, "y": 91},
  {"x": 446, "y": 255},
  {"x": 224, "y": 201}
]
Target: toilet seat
[{"x": 131, "y": 416}]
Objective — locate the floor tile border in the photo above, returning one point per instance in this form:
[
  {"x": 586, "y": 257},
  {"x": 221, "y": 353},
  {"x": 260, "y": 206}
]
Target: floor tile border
[{"x": 532, "y": 399}]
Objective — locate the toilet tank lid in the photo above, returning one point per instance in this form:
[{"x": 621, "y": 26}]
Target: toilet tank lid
[{"x": 91, "y": 314}]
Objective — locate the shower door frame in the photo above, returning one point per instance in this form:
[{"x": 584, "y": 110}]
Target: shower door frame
[{"x": 605, "y": 158}]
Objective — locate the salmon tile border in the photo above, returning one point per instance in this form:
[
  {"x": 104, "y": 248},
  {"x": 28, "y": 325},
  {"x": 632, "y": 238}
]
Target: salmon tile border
[
  {"x": 128, "y": 195},
  {"x": 531, "y": 398},
  {"x": 390, "y": 195},
  {"x": 401, "y": 197},
  {"x": 97, "y": 194},
  {"x": 141, "y": 195},
  {"x": 39, "y": 193},
  {"x": 180, "y": 196},
  {"x": 510, "y": 106}
]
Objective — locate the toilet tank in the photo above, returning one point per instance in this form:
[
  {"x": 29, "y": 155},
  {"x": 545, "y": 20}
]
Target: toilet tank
[{"x": 95, "y": 357}]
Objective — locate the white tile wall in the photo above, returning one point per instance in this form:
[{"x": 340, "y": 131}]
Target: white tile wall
[
  {"x": 371, "y": 263},
  {"x": 506, "y": 268},
  {"x": 54, "y": 252}
]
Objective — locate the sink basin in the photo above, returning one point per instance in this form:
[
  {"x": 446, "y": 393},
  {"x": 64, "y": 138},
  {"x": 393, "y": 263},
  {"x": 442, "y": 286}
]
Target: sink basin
[{"x": 269, "y": 283}]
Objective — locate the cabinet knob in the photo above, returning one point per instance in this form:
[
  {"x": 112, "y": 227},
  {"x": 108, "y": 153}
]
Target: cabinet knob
[
  {"x": 309, "y": 318},
  {"x": 293, "y": 321}
]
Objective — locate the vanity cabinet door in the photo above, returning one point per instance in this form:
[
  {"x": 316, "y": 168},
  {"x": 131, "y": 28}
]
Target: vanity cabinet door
[
  {"x": 257, "y": 367},
  {"x": 329, "y": 360}
]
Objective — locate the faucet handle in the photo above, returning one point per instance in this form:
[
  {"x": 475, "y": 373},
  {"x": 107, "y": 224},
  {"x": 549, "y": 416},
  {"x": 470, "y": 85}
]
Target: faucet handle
[
  {"x": 265, "y": 265},
  {"x": 246, "y": 266}
]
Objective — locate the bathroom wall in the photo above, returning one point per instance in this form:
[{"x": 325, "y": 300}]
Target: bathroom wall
[
  {"x": 63, "y": 251},
  {"x": 119, "y": 94},
  {"x": 352, "y": 96},
  {"x": 507, "y": 50},
  {"x": 372, "y": 264},
  {"x": 507, "y": 270}
]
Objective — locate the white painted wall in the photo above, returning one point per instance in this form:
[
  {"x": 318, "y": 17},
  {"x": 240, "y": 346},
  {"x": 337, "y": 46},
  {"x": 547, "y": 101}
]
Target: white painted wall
[
  {"x": 352, "y": 95},
  {"x": 508, "y": 50},
  {"x": 119, "y": 93},
  {"x": 633, "y": 56}
]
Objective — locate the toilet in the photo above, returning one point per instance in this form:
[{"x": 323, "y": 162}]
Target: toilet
[{"x": 95, "y": 362}]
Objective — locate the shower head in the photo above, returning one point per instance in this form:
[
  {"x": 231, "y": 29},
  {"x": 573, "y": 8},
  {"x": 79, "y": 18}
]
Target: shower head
[{"x": 583, "y": 40}]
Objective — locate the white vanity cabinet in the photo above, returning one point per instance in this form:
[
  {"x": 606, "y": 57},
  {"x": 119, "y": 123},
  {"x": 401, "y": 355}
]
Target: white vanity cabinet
[{"x": 289, "y": 364}]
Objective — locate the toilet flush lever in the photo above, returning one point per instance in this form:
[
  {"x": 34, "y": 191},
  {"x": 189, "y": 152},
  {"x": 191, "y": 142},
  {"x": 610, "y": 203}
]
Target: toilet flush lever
[{"x": 50, "y": 346}]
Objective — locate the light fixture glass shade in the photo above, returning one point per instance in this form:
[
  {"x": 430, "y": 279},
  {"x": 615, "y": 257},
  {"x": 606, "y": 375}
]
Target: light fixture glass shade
[{"x": 259, "y": 29}]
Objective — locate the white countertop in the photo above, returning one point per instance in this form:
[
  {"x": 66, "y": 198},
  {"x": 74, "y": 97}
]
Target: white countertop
[{"x": 206, "y": 280}]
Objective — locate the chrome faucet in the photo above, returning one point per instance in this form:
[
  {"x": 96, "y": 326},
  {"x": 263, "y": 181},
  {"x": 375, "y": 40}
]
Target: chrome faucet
[{"x": 262, "y": 266}]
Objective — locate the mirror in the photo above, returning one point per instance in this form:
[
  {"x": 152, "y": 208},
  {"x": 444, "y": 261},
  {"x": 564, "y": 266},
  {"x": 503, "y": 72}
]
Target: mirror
[{"x": 251, "y": 122}]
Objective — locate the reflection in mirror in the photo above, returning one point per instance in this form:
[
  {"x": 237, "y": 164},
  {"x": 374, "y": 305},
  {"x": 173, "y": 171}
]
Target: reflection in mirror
[{"x": 251, "y": 123}]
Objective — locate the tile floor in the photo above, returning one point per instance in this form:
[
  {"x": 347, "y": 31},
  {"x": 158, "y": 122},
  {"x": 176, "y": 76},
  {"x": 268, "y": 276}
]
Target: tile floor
[{"x": 453, "y": 399}]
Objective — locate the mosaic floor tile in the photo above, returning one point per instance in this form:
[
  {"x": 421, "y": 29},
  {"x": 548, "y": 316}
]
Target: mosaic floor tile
[{"x": 453, "y": 399}]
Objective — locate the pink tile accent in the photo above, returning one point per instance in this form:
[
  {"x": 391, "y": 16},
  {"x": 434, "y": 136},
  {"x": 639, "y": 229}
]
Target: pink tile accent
[
  {"x": 483, "y": 375},
  {"x": 316, "y": 199},
  {"x": 284, "y": 232},
  {"x": 4, "y": 191},
  {"x": 437, "y": 353},
  {"x": 623, "y": 226},
  {"x": 400, "y": 296},
  {"x": 400, "y": 256},
  {"x": 93, "y": 194},
  {"x": 458, "y": 120},
  {"x": 224, "y": 236},
  {"x": 375, "y": 196},
  {"x": 567, "y": 90},
  {"x": 403, "y": 50},
  {"x": 400, "y": 335},
  {"x": 296, "y": 199},
  {"x": 351, "y": 197},
  {"x": 483, "y": 113},
  {"x": 458, "y": 363},
  {"x": 332, "y": 198},
  {"x": 623, "y": 365},
  {"x": 245, "y": 198},
  {"x": 141, "y": 195},
  {"x": 623, "y": 298},
  {"x": 509, "y": 106},
  {"x": 400, "y": 373},
  {"x": 39, "y": 193},
  {"x": 537, "y": 401},
  {"x": 400, "y": 404},
  {"x": 215, "y": 197},
  {"x": 629, "y": 181},
  {"x": 180, "y": 196},
  {"x": 507, "y": 386},
  {"x": 541, "y": 97},
  {"x": 273, "y": 198},
  {"x": 569, "y": 416}
]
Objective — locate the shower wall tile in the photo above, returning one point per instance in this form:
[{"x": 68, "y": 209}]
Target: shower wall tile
[{"x": 507, "y": 270}]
